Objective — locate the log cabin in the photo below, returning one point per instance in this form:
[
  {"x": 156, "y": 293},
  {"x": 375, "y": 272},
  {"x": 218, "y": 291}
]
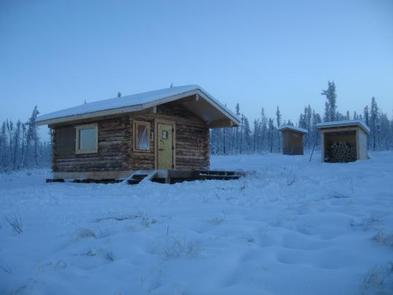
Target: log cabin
[
  {"x": 292, "y": 140},
  {"x": 156, "y": 130},
  {"x": 343, "y": 141}
]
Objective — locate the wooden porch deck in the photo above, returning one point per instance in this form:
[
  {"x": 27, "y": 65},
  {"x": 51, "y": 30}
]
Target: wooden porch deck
[{"x": 163, "y": 176}]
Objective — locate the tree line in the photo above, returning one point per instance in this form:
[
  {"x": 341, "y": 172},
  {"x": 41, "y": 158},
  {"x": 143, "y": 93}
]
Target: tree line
[
  {"x": 20, "y": 145},
  {"x": 263, "y": 135}
]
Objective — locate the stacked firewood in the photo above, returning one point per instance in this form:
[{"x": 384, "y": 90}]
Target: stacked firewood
[{"x": 342, "y": 152}]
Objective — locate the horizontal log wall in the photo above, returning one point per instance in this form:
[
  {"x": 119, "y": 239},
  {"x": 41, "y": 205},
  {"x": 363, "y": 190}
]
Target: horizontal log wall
[
  {"x": 113, "y": 149},
  {"x": 192, "y": 138},
  {"x": 115, "y": 143}
]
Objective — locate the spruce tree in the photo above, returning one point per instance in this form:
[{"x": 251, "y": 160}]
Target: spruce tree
[
  {"x": 374, "y": 126},
  {"x": 366, "y": 115},
  {"x": 238, "y": 130},
  {"x": 32, "y": 138},
  {"x": 263, "y": 135},
  {"x": 247, "y": 135},
  {"x": 3, "y": 145},
  {"x": 330, "y": 106},
  {"x": 278, "y": 121},
  {"x": 271, "y": 134},
  {"x": 278, "y": 117}
]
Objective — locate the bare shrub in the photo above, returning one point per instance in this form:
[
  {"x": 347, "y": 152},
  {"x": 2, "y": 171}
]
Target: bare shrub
[
  {"x": 146, "y": 221},
  {"x": 366, "y": 224},
  {"x": 6, "y": 269},
  {"x": 177, "y": 248},
  {"x": 15, "y": 223},
  {"x": 216, "y": 220},
  {"x": 85, "y": 233},
  {"x": 109, "y": 256},
  {"x": 378, "y": 280},
  {"x": 117, "y": 218},
  {"x": 91, "y": 253},
  {"x": 291, "y": 180},
  {"x": 384, "y": 239}
]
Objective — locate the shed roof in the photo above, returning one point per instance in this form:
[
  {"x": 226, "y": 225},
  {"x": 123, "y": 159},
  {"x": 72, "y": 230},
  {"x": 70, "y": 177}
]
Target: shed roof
[
  {"x": 205, "y": 106},
  {"x": 344, "y": 123},
  {"x": 292, "y": 128}
]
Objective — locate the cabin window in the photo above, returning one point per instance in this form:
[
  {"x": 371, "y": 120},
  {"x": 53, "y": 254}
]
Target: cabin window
[
  {"x": 64, "y": 141},
  {"x": 86, "y": 139},
  {"x": 141, "y": 136}
]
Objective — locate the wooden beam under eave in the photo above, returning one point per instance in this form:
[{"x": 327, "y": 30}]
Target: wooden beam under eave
[{"x": 221, "y": 123}]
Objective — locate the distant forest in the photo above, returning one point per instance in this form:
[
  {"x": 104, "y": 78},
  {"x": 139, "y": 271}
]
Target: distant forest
[
  {"x": 262, "y": 135},
  {"x": 21, "y": 147}
]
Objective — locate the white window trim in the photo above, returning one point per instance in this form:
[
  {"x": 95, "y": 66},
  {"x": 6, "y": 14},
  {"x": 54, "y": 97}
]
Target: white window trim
[
  {"x": 134, "y": 137},
  {"x": 78, "y": 128}
]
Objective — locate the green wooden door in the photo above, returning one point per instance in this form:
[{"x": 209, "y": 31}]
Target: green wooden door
[{"x": 165, "y": 146}]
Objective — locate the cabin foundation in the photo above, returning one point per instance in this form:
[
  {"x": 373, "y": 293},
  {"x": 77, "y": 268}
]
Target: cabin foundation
[{"x": 161, "y": 176}]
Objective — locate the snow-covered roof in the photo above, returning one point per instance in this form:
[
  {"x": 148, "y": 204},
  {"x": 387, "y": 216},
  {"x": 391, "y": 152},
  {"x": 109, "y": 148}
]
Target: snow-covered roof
[
  {"x": 293, "y": 128},
  {"x": 205, "y": 105},
  {"x": 344, "y": 123}
]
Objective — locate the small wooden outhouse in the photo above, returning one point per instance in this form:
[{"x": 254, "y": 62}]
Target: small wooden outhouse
[
  {"x": 343, "y": 141},
  {"x": 156, "y": 130},
  {"x": 292, "y": 140}
]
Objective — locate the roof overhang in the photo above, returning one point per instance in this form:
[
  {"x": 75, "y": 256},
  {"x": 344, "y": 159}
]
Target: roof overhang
[
  {"x": 293, "y": 128},
  {"x": 203, "y": 105},
  {"x": 344, "y": 124}
]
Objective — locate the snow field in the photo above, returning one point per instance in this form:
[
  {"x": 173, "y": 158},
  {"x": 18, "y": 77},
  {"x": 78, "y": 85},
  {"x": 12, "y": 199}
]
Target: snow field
[{"x": 290, "y": 227}]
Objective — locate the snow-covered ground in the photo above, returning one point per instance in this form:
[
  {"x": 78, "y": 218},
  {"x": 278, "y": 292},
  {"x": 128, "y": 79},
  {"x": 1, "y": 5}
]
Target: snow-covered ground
[{"x": 290, "y": 227}]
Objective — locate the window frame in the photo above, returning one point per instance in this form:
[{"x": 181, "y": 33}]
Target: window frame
[
  {"x": 77, "y": 135},
  {"x": 135, "y": 124}
]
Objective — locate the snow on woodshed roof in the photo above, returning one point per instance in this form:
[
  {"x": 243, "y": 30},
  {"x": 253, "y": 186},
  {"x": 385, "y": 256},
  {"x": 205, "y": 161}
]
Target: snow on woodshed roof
[
  {"x": 205, "y": 106},
  {"x": 344, "y": 123},
  {"x": 293, "y": 128}
]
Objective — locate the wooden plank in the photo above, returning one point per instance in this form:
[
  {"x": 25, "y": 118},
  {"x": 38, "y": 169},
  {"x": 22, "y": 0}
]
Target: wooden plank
[
  {"x": 91, "y": 175},
  {"x": 112, "y": 154}
]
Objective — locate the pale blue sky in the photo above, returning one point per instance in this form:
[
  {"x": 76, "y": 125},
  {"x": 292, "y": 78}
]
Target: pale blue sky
[{"x": 56, "y": 54}]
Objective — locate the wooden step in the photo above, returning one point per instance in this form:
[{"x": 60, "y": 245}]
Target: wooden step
[
  {"x": 166, "y": 176},
  {"x": 139, "y": 176},
  {"x": 133, "y": 181}
]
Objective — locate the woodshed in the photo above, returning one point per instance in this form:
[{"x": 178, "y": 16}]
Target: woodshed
[
  {"x": 292, "y": 140},
  {"x": 343, "y": 141}
]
